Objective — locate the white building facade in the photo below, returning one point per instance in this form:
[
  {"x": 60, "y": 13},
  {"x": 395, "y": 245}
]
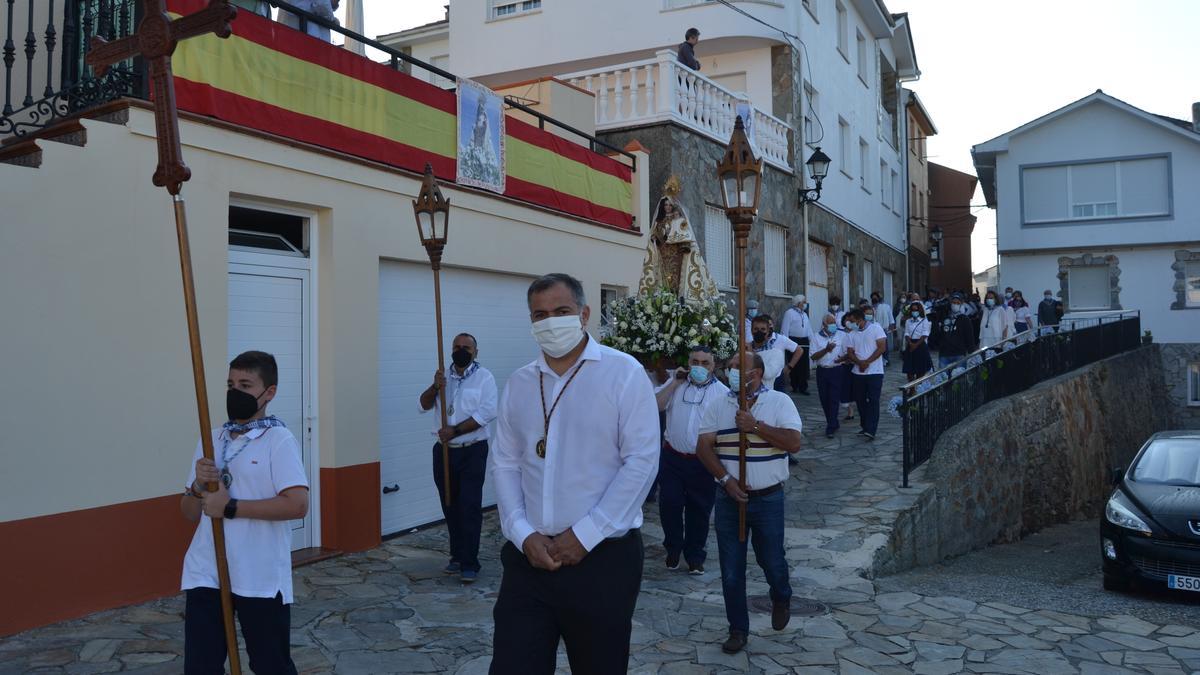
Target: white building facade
[{"x": 817, "y": 73}]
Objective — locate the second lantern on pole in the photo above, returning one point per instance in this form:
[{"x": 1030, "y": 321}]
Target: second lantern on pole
[
  {"x": 432, "y": 211},
  {"x": 740, "y": 174}
]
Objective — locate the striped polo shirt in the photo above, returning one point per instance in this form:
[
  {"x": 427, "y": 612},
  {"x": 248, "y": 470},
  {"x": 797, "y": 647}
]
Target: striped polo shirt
[{"x": 765, "y": 465}]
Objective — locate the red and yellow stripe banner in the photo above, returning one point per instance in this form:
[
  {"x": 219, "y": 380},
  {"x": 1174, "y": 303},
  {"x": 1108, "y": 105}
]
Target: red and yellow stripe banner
[{"x": 272, "y": 78}]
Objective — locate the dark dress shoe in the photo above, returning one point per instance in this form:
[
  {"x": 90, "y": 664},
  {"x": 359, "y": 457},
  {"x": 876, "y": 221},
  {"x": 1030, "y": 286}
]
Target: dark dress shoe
[
  {"x": 781, "y": 613},
  {"x": 735, "y": 643}
]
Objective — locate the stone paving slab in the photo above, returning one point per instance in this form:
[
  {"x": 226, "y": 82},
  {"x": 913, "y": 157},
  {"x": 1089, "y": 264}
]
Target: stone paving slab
[{"x": 390, "y": 610}]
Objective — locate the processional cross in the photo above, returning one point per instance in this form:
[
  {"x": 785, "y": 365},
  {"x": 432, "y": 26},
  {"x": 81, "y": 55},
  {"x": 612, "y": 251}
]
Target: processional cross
[{"x": 155, "y": 41}]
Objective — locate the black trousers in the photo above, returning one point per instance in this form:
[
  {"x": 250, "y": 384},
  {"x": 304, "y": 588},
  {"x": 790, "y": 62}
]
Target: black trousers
[
  {"x": 266, "y": 627},
  {"x": 589, "y": 606},
  {"x": 686, "y": 488},
  {"x": 799, "y": 375},
  {"x": 464, "y": 515}
]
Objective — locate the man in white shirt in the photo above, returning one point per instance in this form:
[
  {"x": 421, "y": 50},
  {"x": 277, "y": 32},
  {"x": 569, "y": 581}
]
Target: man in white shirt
[
  {"x": 798, "y": 328},
  {"x": 470, "y": 407},
  {"x": 828, "y": 347},
  {"x": 685, "y": 488},
  {"x": 575, "y": 450},
  {"x": 772, "y": 427},
  {"x": 864, "y": 350},
  {"x": 261, "y": 486},
  {"x": 887, "y": 321},
  {"x": 774, "y": 349}
]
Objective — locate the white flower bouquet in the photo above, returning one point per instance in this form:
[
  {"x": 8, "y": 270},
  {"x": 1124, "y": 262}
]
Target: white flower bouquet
[{"x": 660, "y": 326}]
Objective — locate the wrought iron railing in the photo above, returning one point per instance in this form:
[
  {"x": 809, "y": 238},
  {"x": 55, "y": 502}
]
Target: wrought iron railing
[
  {"x": 933, "y": 404},
  {"x": 78, "y": 89}
]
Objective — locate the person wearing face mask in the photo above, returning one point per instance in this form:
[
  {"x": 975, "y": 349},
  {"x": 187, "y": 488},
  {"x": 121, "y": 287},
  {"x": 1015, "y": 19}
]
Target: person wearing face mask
[
  {"x": 994, "y": 322},
  {"x": 751, "y": 313},
  {"x": 470, "y": 407},
  {"x": 798, "y": 329},
  {"x": 883, "y": 317},
  {"x": 828, "y": 347},
  {"x": 917, "y": 361},
  {"x": 864, "y": 351},
  {"x": 575, "y": 451},
  {"x": 773, "y": 431},
  {"x": 1049, "y": 310},
  {"x": 686, "y": 491},
  {"x": 1022, "y": 313},
  {"x": 953, "y": 336},
  {"x": 261, "y": 487},
  {"x": 836, "y": 309},
  {"x": 774, "y": 349}
]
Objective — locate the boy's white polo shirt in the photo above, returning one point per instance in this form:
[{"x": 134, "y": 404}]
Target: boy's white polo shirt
[{"x": 259, "y": 551}]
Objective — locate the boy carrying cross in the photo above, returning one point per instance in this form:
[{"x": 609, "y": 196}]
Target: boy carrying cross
[{"x": 262, "y": 485}]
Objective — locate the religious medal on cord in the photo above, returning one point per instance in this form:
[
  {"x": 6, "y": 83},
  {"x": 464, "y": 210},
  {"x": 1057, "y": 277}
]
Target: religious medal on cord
[{"x": 541, "y": 445}]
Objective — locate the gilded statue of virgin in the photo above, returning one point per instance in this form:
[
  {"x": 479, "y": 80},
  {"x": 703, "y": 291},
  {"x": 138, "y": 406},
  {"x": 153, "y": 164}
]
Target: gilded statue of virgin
[{"x": 673, "y": 259}]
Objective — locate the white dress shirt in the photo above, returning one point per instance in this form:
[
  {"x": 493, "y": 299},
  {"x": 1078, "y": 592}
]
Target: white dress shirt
[
  {"x": 686, "y": 409},
  {"x": 795, "y": 324},
  {"x": 820, "y": 340},
  {"x": 863, "y": 342},
  {"x": 884, "y": 316},
  {"x": 773, "y": 356},
  {"x": 916, "y": 329},
  {"x": 602, "y": 449},
  {"x": 471, "y": 395}
]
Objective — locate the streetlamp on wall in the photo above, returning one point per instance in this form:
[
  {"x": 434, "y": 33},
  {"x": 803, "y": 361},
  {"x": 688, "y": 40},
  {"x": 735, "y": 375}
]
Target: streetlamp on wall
[
  {"x": 740, "y": 176},
  {"x": 935, "y": 251},
  {"x": 818, "y": 167},
  {"x": 432, "y": 212}
]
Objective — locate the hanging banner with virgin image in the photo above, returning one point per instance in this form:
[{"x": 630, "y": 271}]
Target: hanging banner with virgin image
[{"x": 480, "y": 137}]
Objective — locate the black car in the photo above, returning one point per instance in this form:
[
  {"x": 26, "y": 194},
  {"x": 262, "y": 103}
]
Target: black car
[{"x": 1151, "y": 526}]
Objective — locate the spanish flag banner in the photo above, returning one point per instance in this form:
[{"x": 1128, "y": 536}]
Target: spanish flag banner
[{"x": 269, "y": 77}]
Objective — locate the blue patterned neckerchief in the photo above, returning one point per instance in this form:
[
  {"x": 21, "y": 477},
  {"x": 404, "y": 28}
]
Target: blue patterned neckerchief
[
  {"x": 232, "y": 427},
  {"x": 761, "y": 388},
  {"x": 469, "y": 372},
  {"x": 770, "y": 343}
]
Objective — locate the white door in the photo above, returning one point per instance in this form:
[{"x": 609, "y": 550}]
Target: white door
[
  {"x": 868, "y": 280},
  {"x": 888, "y": 280},
  {"x": 269, "y": 311},
  {"x": 488, "y": 305},
  {"x": 818, "y": 281}
]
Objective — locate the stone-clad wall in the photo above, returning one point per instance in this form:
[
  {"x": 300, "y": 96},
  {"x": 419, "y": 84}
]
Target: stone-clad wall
[
  {"x": 693, "y": 158},
  {"x": 1175, "y": 359},
  {"x": 1031, "y": 460}
]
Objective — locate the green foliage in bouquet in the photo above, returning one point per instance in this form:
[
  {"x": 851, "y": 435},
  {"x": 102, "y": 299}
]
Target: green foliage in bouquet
[{"x": 660, "y": 325}]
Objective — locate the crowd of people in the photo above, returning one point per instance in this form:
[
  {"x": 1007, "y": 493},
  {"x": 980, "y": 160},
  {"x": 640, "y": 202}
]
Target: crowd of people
[{"x": 573, "y": 446}]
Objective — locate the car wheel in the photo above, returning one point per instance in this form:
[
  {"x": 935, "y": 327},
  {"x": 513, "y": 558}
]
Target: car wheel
[{"x": 1115, "y": 583}]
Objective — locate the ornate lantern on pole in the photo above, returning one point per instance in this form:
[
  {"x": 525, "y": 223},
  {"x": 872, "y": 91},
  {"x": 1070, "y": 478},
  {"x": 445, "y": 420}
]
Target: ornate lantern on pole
[
  {"x": 740, "y": 174},
  {"x": 432, "y": 212}
]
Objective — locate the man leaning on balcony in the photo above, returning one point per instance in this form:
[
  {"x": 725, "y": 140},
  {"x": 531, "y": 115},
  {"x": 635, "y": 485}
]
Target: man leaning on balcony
[{"x": 687, "y": 49}]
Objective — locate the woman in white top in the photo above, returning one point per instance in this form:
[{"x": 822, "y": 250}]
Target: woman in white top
[
  {"x": 994, "y": 324},
  {"x": 1022, "y": 314},
  {"x": 917, "y": 361}
]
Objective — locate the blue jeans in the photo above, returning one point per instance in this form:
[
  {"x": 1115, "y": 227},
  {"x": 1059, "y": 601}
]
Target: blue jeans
[
  {"x": 685, "y": 501},
  {"x": 829, "y": 390},
  {"x": 764, "y": 529},
  {"x": 866, "y": 395},
  {"x": 944, "y": 361}
]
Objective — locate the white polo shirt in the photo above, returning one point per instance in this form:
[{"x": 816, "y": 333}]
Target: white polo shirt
[
  {"x": 773, "y": 356},
  {"x": 472, "y": 395},
  {"x": 863, "y": 342},
  {"x": 795, "y": 324},
  {"x": 819, "y": 341},
  {"x": 259, "y": 551},
  {"x": 765, "y": 465},
  {"x": 686, "y": 409}
]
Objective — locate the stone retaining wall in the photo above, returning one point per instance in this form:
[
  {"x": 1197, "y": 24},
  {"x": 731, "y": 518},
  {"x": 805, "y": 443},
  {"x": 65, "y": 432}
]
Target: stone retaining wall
[{"x": 1034, "y": 459}]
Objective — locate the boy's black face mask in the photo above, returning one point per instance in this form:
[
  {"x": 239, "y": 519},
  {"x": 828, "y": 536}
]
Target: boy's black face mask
[{"x": 240, "y": 405}]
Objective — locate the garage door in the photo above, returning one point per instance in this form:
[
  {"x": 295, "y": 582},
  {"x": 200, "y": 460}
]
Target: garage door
[{"x": 489, "y": 306}]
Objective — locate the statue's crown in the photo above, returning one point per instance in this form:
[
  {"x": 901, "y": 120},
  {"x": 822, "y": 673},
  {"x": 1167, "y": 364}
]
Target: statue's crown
[{"x": 672, "y": 187}]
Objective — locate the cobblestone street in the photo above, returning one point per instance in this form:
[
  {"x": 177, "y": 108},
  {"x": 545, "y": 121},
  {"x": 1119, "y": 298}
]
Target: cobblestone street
[{"x": 391, "y": 609}]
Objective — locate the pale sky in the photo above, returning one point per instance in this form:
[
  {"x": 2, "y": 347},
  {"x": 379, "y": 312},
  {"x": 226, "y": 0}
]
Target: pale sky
[{"x": 990, "y": 66}]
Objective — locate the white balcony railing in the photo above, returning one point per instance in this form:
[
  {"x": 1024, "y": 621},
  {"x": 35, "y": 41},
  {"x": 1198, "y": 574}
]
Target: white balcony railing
[{"x": 662, "y": 89}]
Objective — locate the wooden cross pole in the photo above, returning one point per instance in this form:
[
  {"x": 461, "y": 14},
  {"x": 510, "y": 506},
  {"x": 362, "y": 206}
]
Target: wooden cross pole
[{"x": 155, "y": 41}]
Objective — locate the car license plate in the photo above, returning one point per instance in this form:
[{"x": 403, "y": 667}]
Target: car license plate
[{"x": 1183, "y": 583}]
